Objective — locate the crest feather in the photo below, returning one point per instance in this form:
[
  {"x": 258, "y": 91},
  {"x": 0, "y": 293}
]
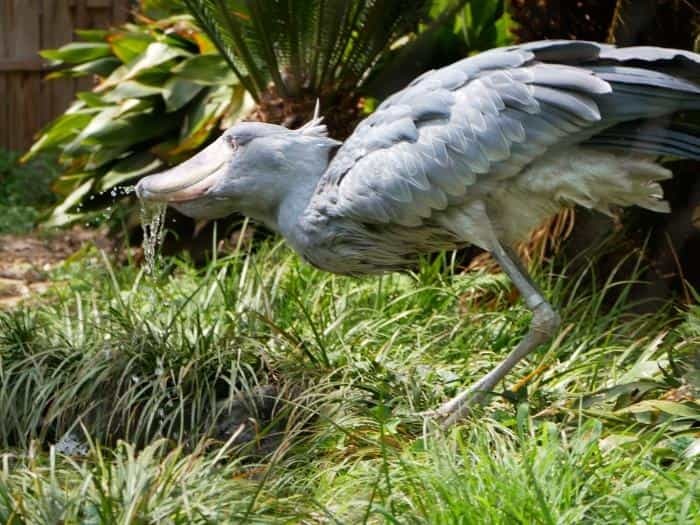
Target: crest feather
[{"x": 315, "y": 127}]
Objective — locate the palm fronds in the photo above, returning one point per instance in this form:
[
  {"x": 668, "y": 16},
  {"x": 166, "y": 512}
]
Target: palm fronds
[{"x": 305, "y": 46}]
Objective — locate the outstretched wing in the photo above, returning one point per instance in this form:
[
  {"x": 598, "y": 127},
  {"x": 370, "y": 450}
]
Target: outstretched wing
[{"x": 489, "y": 116}]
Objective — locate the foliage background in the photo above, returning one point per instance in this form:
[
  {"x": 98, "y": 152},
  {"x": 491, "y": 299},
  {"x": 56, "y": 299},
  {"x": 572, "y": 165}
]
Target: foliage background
[{"x": 256, "y": 389}]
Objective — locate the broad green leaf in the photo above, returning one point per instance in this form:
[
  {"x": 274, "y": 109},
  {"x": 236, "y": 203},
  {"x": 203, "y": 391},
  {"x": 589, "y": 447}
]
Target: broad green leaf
[
  {"x": 240, "y": 105},
  {"x": 66, "y": 184},
  {"x": 130, "y": 168},
  {"x": 102, "y": 121},
  {"x": 206, "y": 69},
  {"x": 77, "y": 52},
  {"x": 485, "y": 12},
  {"x": 161, "y": 8},
  {"x": 62, "y": 130},
  {"x": 136, "y": 105},
  {"x": 92, "y": 35},
  {"x": 113, "y": 79},
  {"x": 201, "y": 120},
  {"x": 437, "y": 7},
  {"x": 174, "y": 39},
  {"x": 202, "y": 114},
  {"x": 156, "y": 54},
  {"x": 178, "y": 92},
  {"x": 105, "y": 131},
  {"x": 131, "y": 89},
  {"x": 484, "y": 24},
  {"x": 504, "y": 26},
  {"x": 93, "y": 99},
  {"x": 206, "y": 46},
  {"x": 102, "y": 67},
  {"x": 103, "y": 156},
  {"x": 157, "y": 76},
  {"x": 128, "y": 46},
  {"x": 60, "y": 215}
]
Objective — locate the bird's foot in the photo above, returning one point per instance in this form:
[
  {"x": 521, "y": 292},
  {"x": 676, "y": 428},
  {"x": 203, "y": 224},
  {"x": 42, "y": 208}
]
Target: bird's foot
[{"x": 459, "y": 407}]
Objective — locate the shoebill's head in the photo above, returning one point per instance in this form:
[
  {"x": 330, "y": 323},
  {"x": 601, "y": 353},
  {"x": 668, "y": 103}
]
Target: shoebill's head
[{"x": 252, "y": 169}]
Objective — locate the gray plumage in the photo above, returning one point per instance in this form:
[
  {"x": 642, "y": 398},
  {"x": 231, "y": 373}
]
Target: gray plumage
[
  {"x": 453, "y": 135},
  {"x": 478, "y": 152}
]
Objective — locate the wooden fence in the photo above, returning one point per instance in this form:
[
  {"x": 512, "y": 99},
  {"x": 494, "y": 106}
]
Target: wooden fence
[{"x": 27, "y": 101}]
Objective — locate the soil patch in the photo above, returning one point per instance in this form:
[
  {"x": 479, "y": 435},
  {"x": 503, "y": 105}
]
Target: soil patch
[{"x": 25, "y": 260}]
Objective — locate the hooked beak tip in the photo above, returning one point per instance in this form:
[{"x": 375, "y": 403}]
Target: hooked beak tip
[{"x": 142, "y": 191}]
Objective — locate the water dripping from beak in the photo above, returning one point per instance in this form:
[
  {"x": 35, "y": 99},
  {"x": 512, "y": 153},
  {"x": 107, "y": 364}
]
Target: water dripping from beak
[{"x": 153, "y": 225}]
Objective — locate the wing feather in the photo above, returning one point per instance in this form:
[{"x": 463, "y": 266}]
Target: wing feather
[{"x": 426, "y": 148}]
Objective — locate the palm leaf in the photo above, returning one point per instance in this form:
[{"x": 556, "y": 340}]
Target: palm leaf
[{"x": 305, "y": 47}]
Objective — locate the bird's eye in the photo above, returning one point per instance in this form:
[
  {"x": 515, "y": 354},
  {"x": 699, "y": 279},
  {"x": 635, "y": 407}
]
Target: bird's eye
[{"x": 232, "y": 143}]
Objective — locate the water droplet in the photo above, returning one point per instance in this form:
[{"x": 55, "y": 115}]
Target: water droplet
[{"x": 152, "y": 222}]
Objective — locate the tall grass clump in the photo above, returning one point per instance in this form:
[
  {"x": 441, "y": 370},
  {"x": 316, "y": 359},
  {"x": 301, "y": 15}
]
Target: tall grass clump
[{"x": 257, "y": 389}]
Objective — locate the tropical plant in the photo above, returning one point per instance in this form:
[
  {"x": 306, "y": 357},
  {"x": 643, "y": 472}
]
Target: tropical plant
[
  {"x": 162, "y": 92},
  {"x": 287, "y": 56},
  {"x": 166, "y": 88}
]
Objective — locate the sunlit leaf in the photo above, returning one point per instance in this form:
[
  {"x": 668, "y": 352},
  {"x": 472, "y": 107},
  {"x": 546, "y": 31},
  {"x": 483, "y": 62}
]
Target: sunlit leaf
[
  {"x": 66, "y": 184},
  {"x": 177, "y": 92},
  {"x": 93, "y": 99},
  {"x": 136, "y": 105},
  {"x": 206, "y": 69},
  {"x": 92, "y": 35},
  {"x": 161, "y": 8},
  {"x": 102, "y": 67},
  {"x": 128, "y": 46},
  {"x": 131, "y": 89},
  {"x": 77, "y": 52},
  {"x": 240, "y": 106},
  {"x": 60, "y": 215},
  {"x": 156, "y": 54},
  {"x": 130, "y": 168},
  {"x": 102, "y": 156},
  {"x": 60, "y": 131}
]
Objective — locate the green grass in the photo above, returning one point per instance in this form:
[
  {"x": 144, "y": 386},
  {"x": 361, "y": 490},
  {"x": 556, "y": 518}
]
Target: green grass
[
  {"x": 21, "y": 201},
  {"x": 147, "y": 371}
]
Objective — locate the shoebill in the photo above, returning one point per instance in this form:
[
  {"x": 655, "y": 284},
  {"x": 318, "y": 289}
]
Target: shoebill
[{"x": 479, "y": 152}]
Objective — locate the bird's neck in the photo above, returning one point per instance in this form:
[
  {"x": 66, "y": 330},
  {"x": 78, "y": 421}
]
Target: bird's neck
[
  {"x": 280, "y": 203},
  {"x": 280, "y": 199},
  {"x": 294, "y": 203}
]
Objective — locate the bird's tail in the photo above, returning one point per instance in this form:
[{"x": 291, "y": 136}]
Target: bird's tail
[
  {"x": 655, "y": 97},
  {"x": 652, "y": 137}
]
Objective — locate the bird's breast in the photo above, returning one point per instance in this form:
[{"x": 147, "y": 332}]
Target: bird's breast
[{"x": 344, "y": 246}]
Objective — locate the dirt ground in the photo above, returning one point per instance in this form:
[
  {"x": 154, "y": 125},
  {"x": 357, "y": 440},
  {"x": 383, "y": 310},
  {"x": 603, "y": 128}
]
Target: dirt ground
[{"x": 25, "y": 260}]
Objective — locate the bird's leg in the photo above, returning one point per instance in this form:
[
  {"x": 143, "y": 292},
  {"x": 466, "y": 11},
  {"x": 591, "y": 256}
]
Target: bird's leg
[{"x": 544, "y": 324}]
